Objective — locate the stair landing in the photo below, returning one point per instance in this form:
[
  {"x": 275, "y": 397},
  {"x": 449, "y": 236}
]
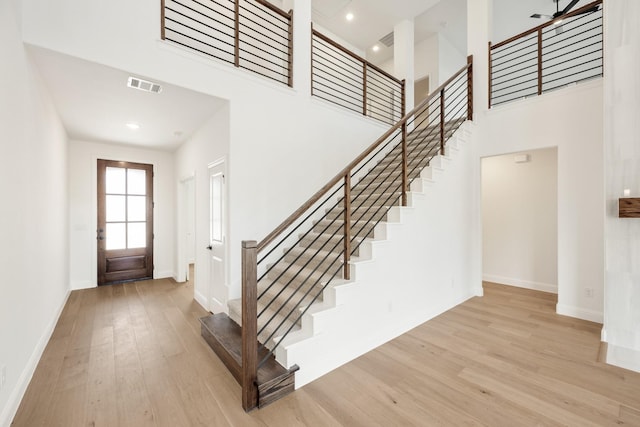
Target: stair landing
[{"x": 224, "y": 336}]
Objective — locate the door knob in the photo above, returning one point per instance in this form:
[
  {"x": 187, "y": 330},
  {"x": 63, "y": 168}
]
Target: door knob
[{"x": 209, "y": 247}]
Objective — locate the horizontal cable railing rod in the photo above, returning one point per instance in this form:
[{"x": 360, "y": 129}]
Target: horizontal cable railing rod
[
  {"x": 547, "y": 24},
  {"x": 204, "y": 43},
  {"x": 271, "y": 22},
  {"x": 528, "y": 49},
  {"x": 354, "y": 78},
  {"x": 274, "y": 8},
  {"x": 284, "y": 45},
  {"x": 353, "y": 55},
  {"x": 316, "y": 197},
  {"x": 283, "y": 42},
  {"x": 346, "y": 58},
  {"x": 250, "y": 34}
]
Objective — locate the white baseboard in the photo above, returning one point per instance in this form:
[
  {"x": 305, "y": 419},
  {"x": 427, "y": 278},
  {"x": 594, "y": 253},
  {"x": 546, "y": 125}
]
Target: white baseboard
[
  {"x": 163, "y": 274},
  {"x": 623, "y": 357},
  {"x": 82, "y": 284},
  {"x": 200, "y": 299},
  {"x": 11, "y": 408},
  {"x": 580, "y": 313},
  {"x": 510, "y": 281}
]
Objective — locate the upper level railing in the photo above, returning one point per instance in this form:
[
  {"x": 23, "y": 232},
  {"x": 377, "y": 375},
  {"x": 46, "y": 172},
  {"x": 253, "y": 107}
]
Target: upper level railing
[
  {"x": 344, "y": 78},
  {"x": 288, "y": 271},
  {"x": 251, "y": 34},
  {"x": 553, "y": 55}
]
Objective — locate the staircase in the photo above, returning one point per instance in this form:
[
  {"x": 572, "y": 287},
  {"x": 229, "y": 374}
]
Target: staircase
[{"x": 312, "y": 252}]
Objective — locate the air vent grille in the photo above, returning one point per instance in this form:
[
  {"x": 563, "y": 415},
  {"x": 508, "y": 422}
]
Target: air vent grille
[
  {"x": 144, "y": 85},
  {"x": 387, "y": 40}
]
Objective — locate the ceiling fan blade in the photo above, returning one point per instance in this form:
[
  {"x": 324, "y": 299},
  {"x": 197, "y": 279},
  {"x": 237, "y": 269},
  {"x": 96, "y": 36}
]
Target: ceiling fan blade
[
  {"x": 538, "y": 15},
  {"x": 569, "y": 7}
]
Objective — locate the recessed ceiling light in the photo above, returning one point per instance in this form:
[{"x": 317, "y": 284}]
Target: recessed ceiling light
[
  {"x": 133, "y": 126},
  {"x": 349, "y": 16},
  {"x": 375, "y": 48}
]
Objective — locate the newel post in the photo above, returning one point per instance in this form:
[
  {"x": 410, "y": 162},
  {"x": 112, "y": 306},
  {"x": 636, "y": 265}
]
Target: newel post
[
  {"x": 290, "y": 50},
  {"x": 347, "y": 226},
  {"x": 442, "y": 112},
  {"x": 470, "y": 88},
  {"x": 405, "y": 179},
  {"x": 236, "y": 46},
  {"x": 540, "y": 61},
  {"x": 162, "y": 19},
  {"x": 249, "y": 325}
]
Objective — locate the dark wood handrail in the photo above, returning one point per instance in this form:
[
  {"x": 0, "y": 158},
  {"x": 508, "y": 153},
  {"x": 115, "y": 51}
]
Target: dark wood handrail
[
  {"x": 354, "y": 55},
  {"x": 274, "y": 8},
  {"x": 546, "y": 24},
  {"x": 347, "y": 170}
]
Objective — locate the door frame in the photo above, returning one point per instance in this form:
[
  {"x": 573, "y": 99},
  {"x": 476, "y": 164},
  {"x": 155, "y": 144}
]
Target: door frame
[
  {"x": 182, "y": 271},
  {"x": 148, "y": 250},
  {"x": 213, "y": 305},
  {"x": 105, "y": 155}
]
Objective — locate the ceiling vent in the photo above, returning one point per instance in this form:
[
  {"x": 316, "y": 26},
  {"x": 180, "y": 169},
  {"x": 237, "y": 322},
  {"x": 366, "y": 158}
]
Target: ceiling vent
[
  {"x": 144, "y": 85},
  {"x": 387, "y": 40}
]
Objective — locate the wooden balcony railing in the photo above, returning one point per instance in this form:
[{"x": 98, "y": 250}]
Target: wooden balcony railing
[
  {"x": 287, "y": 272},
  {"x": 558, "y": 53},
  {"x": 344, "y": 78},
  {"x": 250, "y": 34}
]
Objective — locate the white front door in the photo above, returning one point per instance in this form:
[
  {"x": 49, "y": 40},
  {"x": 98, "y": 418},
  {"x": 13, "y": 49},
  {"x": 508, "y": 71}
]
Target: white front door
[{"x": 217, "y": 237}]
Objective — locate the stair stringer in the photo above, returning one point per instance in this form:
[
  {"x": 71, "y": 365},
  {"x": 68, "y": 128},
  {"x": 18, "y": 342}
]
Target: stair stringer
[{"x": 419, "y": 264}]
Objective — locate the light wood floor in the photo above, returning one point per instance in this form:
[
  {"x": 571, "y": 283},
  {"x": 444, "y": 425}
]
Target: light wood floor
[{"x": 131, "y": 355}]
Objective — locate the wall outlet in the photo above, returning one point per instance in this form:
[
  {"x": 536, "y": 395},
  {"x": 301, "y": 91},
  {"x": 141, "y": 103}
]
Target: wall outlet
[
  {"x": 3, "y": 376},
  {"x": 588, "y": 292}
]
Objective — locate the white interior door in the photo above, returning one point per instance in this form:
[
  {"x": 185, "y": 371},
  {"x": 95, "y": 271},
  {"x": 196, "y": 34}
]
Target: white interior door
[{"x": 217, "y": 237}]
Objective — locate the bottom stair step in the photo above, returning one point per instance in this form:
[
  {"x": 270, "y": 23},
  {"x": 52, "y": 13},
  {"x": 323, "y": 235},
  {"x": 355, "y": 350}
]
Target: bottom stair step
[{"x": 224, "y": 336}]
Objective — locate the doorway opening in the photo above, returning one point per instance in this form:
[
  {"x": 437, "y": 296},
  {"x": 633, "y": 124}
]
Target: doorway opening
[
  {"x": 520, "y": 219},
  {"x": 187, "y": 231},
  {"x": 125, "y": 221}
]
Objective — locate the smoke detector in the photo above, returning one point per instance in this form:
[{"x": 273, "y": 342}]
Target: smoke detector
[{"x": 143, "y": 85}]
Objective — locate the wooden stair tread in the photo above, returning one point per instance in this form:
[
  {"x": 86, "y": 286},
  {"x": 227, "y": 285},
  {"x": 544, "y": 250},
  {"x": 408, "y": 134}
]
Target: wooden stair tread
[{"x": 224, "y": 336}]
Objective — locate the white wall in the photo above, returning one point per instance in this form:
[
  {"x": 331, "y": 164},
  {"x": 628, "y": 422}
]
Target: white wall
[
  {"x": 83, "y": 156},
  {"x": 33, "y": 230},
  {"x": 210, "y": 143},
  {"x": 450, "y": 59},
  {"x": 520, "y": 220},
  {"x": 435, "y": 57},
  {"x": 570, "y": 120},
  {"x": 622, "y": 171},
  {"x": 276, "y": 132}
]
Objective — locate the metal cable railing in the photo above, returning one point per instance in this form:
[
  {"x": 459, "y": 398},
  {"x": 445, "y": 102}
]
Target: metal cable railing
[
  {"x": 341, "y": 77},
  {"x": 288, "y": 271},
  {"x": 553, "y": 55},
  {"x": 251, "y": 34}
]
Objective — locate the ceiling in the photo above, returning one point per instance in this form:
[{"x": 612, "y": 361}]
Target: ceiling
[
  {"x": 95, "y": 104},
  {"x": 373, "y": 19}
]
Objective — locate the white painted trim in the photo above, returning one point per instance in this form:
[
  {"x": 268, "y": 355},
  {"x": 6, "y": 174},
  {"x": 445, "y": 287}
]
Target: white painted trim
[
  {"x": 623, "y": 357},
  {"x": 13, "y": 403},
  {"x": 163, "y": 274},
  {"x": 82, "y": 284},
  {"x": 201, "y": 299},
  {"x": 579, "y": 313},
  {"x": 519, "y": 283}
]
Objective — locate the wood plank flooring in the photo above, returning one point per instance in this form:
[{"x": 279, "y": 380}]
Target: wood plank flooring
[{"x": 132, "y": 355}]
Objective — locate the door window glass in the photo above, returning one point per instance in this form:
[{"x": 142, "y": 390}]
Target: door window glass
[{"x": 126, "y": 208}]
